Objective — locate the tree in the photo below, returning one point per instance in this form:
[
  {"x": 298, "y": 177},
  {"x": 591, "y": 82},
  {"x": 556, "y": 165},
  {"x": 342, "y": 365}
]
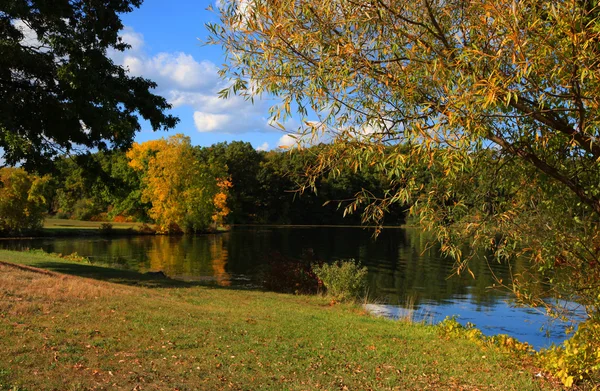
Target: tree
[
  {"x": 181, "y": 188},
  {"x": 22, "y": 201},
  {"x": 88, "y": 185},
  {"x": 242, "y": 162},
  {"x": 59, "y": 88},
  {"x": 497, "y": 101}
]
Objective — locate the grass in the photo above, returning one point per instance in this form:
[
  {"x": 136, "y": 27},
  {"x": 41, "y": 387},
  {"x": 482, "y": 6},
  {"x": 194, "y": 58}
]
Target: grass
[
  {"x": 121, "y": 330},
  {"x": 51, "y": 223},
  {"x": 53, "y": 227}
]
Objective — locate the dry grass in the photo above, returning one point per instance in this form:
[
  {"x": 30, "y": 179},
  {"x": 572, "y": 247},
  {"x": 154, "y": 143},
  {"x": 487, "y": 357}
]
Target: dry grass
[{"x": 27, "y": 290}]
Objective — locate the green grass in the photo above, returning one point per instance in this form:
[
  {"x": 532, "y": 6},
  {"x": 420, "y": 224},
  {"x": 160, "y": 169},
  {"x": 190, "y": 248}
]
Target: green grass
[
  {"x": 60, "y": 332},
  {"x": 51, "y": 223}
]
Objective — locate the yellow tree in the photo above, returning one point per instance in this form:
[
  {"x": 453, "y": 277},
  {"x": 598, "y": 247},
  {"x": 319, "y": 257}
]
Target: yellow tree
[
  {"x": 180, "y": 187},
  {"x": 22, "y": 200}
]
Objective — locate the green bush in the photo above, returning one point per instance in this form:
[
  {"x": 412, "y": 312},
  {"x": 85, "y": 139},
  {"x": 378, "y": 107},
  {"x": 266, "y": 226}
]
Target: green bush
[
  {"x": 85, "y": 209},
  {"x": 344, "y": 280}
]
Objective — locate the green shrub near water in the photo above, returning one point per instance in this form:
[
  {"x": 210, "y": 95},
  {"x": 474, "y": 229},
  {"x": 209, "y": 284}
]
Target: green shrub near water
[{"x": 344, "y": 280}]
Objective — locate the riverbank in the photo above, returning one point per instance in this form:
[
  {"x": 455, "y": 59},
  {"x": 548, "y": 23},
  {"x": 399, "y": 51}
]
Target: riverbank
[{"x": 124, "y": 330}]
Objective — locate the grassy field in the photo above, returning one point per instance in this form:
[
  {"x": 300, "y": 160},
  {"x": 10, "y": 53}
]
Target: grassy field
[
  {"x": 89, "y": 327},
  {"x": 51, "y": 223}
]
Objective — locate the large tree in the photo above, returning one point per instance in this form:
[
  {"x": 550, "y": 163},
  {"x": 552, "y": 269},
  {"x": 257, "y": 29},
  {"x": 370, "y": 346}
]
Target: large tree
[
  {"x": 59, "y": 88},
  {"x": 495, "y": 102}
]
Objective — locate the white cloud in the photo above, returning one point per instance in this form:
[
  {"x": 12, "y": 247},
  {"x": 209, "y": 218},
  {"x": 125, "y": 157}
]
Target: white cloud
[
  {"x": 207, "y": 122},
  {"x": 173, "y": 71},
  {"x": 187, "y": 82},
  {"x": 133, "y": 39},
  {"x": 288, "y": 141},
  {"x": 263, "y": 147},
  {"x": 229, "y": 122}
]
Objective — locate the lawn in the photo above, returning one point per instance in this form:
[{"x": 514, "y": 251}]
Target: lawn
[
  {"x": 82, "y": 327},
  {"x": 51, "y": 223}
]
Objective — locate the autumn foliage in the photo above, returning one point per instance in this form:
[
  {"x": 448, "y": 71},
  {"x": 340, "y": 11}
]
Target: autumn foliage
[
  {"x": 184, "y": 191},
  {"x": 22, "y": 200}
]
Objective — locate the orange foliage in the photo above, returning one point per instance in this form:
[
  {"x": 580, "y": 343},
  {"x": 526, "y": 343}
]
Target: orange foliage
[{"x": 220, "y": 201}]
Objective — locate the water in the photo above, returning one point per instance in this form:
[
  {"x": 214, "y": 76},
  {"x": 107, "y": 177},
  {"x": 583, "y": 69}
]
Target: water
[{"x": 403, "y": 268}]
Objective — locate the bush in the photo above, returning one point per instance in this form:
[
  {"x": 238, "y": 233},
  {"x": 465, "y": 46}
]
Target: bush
[
  {"x": 344, "y": 280},
  {"x": 578, "y": 359},
  {"x": 61, "y": 215},
  {"x": 85, "y": 209}
]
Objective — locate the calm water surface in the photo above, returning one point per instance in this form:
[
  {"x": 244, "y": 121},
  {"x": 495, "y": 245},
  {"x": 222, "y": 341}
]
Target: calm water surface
[{"x": 403, "y": 267}]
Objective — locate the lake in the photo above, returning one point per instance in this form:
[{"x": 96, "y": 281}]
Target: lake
[{"x": 405, "y": 270}]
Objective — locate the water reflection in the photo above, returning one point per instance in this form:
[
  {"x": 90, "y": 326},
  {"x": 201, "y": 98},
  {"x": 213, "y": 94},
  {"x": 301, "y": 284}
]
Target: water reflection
[
  {"x": 403, "y": 264},
  {"x": 525, "y": 324}
]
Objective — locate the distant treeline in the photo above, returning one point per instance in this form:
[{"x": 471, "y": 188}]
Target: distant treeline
[{"x": 226, "y": 183}]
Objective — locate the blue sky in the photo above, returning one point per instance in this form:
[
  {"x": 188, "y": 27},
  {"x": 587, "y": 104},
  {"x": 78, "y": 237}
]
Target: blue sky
[{"x": 166, "y": 39}]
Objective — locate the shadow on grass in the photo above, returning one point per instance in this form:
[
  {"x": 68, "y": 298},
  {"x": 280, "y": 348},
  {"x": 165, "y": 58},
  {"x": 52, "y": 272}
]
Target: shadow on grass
[{"x": 126, "y": 277}]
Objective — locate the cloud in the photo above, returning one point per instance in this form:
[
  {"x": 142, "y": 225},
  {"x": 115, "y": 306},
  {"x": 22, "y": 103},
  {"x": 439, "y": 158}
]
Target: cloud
[
  {"x": 187, "y": 82},
  {"x": 288, "y": 141},
  {"x": 133, "y": 39},
  {"x": 207, "y": 122},
  {"x": 263, "y": 147},
  {"x": 174, "y": 71}
]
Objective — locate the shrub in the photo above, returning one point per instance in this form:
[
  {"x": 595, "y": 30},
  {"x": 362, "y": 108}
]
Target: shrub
[
  {"x": 85, "y": 209},
  {"x": 344, "y": 280},
  {"x": 121, "y": 219},
  {"x": 61, "y": 215},
  {"x": 578, "y": 359}
]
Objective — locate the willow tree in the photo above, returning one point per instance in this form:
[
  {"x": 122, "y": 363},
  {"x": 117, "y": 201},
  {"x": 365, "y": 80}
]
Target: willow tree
[{"x": 496, "y": 101}]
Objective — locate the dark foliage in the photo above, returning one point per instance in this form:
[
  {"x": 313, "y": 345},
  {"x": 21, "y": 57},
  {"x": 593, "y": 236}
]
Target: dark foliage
[{"x": 59, "y": 89}]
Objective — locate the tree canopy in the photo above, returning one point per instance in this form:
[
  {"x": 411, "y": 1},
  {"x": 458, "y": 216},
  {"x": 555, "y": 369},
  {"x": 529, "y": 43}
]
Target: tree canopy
[
  {"x": 22, "y": 201},
  {"x": 59, "y": 88},
  {"x": 489, "y": 112}
]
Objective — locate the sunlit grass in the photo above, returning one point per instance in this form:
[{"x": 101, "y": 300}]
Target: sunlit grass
[
  {"x": 51, "y": 223},
  {"x": 66, "y": 332}
]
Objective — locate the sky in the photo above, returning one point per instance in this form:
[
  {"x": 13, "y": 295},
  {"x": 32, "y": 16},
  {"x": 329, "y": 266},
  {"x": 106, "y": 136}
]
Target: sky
[{"x": 166, "y": 39}]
